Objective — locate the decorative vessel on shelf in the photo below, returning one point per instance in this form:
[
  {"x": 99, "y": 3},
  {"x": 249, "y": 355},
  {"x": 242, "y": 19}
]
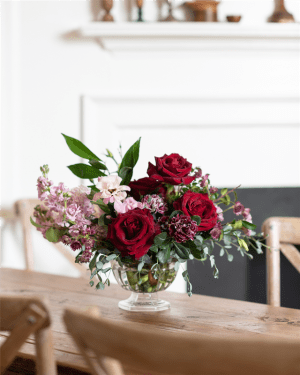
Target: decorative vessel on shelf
[
  {"x": 170, "y": 17},
  {"x": 144, "y": 285},
  {"x": 280, "y": 14},
  {"x": 204, "y": 10},
  {"x": 142, "y": 230}
]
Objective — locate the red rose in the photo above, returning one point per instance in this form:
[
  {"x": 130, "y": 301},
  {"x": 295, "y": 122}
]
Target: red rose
[
  {"x": 198, "y": 204},
  {"x": 145, "y": 186},
  {"x": 172, "y": 169},
  {"x": 133, "y": 233}
]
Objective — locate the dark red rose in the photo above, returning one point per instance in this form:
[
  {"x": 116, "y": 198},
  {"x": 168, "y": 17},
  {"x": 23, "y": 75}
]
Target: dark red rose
[
  {"x": 145, "y": 186},
  {"x": 133, "y": 233},
  {"x": 198, "y": 204},
  {"x": 172, "y": 169}
]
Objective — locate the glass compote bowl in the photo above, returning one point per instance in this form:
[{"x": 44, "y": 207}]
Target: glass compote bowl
[{"x": 144, "y": 286}]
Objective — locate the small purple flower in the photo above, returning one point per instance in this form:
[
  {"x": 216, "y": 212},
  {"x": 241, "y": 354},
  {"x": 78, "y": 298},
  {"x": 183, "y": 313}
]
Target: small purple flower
[
  {"x": 204, "y": 180},
  {"x": 246, "y": 215},
  {"x": 66, "y": 240},
  {"x": 85, "y": 256},
  {"x": 213, "y": 190},
  {"x": 154, "y": 203},
  {"x": 198, "y": 174},
  {"x": 76, "y": 245},
  {"x": 247, "y": 231},
  {"x": 220, "y": 213},
  {"x": 238, "y": 208},
  {"x": 216, "y": 231},
  {"x": 182, "y": 228}
]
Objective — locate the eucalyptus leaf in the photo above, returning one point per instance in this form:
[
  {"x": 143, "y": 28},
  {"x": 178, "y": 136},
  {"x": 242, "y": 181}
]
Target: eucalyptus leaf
[
  {"x": 93, "y": 261},
  {"x": 78, "y": 148},
  {"x": 160, "y": 238},
  {"x": 140, "y": 266},
  {"x": 111, "y": 257}
]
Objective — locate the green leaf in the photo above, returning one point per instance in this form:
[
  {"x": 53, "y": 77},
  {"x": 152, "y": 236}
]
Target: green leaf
[
  {"x": 174, "y": 213},
  {"x": 91, "y": 283},
  {"x": 111, "y": 257},
  {"x": 35, "y": 224},
  {"x": 93, "y": 261},
  {"x": 224, "y": 191},
  {"x": 235, "y": 196},
  {"x": 100, "y": 285},
  {"x": 238, "y": 224},
  {"x": 85, "y": 171},
  {"x": 99, "y": 265},
  {"x": 125, "y": 173},
  {"x": 181, "y": 250},
  {"x": 104, "y": 207},
  {"x": 154, "y": 248},
  {"x": 248, "y": 225},
  {"x": 96, "y": 164},
  {"x": 78, "y": 148},
  {"x": 104, "y": 270},
  {"x": 160, "y": 238},
  {"x": 53, "y": 234},
  {"x": 197, "y": 219},
  {"x": 140, "y": 266},
  {"x": 222, "y": 252},
  {"x": 229, "y": 257},
  {"x": 129, "y": 160}
]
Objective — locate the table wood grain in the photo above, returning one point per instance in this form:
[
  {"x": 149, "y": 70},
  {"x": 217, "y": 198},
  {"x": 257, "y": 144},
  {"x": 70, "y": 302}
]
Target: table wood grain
[{"x": 202, "y": 314}]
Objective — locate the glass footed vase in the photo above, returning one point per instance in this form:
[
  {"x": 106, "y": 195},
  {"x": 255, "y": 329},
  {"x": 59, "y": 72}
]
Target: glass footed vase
[{"x": 144, "y": 286}]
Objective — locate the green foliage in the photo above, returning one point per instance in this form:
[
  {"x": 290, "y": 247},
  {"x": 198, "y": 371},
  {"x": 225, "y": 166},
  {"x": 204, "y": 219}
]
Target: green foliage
[
  {"x": 54, "y": 234},
  {"x": 85, "y": 171},
  {"x": 104, "y": 207},
  {"x": 129, "y": 161},
  {"x": 197, "y": 219},
  {"x": 248, "y": 225},
  {"x": 181, "y": 250},
  {"x": 35, "y": 224},
  {"x": 160, "y": 238},
  {"x": 96, "y": 164},
  {"x": 78, "y": 148}
]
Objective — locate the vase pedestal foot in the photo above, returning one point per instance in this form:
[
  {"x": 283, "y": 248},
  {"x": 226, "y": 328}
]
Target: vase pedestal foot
[{"x": 144, "y": 302}]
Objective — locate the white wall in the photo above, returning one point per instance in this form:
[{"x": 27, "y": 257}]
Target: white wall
[{"x": 54, "y": 81}]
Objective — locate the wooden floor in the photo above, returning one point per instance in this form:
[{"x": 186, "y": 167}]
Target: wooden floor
[{"x": 27, "y": 367}]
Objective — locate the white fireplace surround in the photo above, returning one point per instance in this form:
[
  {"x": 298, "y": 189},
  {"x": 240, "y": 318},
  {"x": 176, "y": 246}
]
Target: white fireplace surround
[{"x": 182, "y": 36}]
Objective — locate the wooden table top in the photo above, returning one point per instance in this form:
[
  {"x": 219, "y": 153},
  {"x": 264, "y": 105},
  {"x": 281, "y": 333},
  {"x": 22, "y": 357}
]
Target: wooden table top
[{"x": 204, "y": 315}]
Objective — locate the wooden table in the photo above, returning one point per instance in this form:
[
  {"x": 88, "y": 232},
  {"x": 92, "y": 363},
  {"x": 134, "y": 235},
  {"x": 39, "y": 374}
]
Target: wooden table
[{"x": 205, "y": 315}]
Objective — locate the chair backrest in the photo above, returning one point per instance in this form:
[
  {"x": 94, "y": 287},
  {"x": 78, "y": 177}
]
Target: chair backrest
[
  {"x": 23, "y": 316},
  {"x": 24, "y": 209},
  {"x": 283, "y": 233},
  {"x": 147, "y": 350}
]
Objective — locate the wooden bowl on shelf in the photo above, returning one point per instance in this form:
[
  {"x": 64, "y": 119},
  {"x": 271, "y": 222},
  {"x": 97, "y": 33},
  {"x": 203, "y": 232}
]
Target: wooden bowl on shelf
[{"x": 234, "y": 18}]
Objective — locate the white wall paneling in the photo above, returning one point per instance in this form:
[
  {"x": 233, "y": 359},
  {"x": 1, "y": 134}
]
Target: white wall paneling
[{"x": 224, "y": 96}]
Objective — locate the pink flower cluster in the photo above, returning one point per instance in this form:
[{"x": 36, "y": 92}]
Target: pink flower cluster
[
  {"x": 239, "y": 209},
  {"x": 71, "y": 210},
  {"x": 154, "y": 203}
]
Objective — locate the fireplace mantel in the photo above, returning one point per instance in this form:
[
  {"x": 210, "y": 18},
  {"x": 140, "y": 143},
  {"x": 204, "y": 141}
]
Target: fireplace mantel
[{"x": 193, "y": 36}]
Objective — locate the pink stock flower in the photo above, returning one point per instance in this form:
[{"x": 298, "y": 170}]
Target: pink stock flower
[
  {"x": 246, "y": 215},
  {"x": 238, "y": 208},
  {"x": 247, "y": 231},
  {"x": 127, "y": 205},
  {"x": 213, "y": 190}
]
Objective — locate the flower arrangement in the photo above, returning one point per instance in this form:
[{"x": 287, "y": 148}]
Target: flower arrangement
[{"x": 171, "y": 216}]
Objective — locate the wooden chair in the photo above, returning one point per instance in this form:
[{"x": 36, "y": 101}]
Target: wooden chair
[
  {"x": 24, "y": 209},
  {"x": 283, "y": 233},
  {"x": 149, "y": 351},
  {"x": 23, "y": 316}
]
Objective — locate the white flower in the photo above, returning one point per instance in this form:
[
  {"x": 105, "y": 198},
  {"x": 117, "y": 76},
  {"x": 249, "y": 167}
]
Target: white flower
[{"x": 110, "y": 189}]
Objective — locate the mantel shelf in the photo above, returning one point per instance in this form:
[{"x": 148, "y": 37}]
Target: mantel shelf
[{"x": 193, "y": 37}]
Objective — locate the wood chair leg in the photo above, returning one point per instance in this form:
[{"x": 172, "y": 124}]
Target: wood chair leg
[
  {"x": 31, "y": 319},
  {"x": 45, "y": 361},
  {"x": 273, "y": 265}
]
